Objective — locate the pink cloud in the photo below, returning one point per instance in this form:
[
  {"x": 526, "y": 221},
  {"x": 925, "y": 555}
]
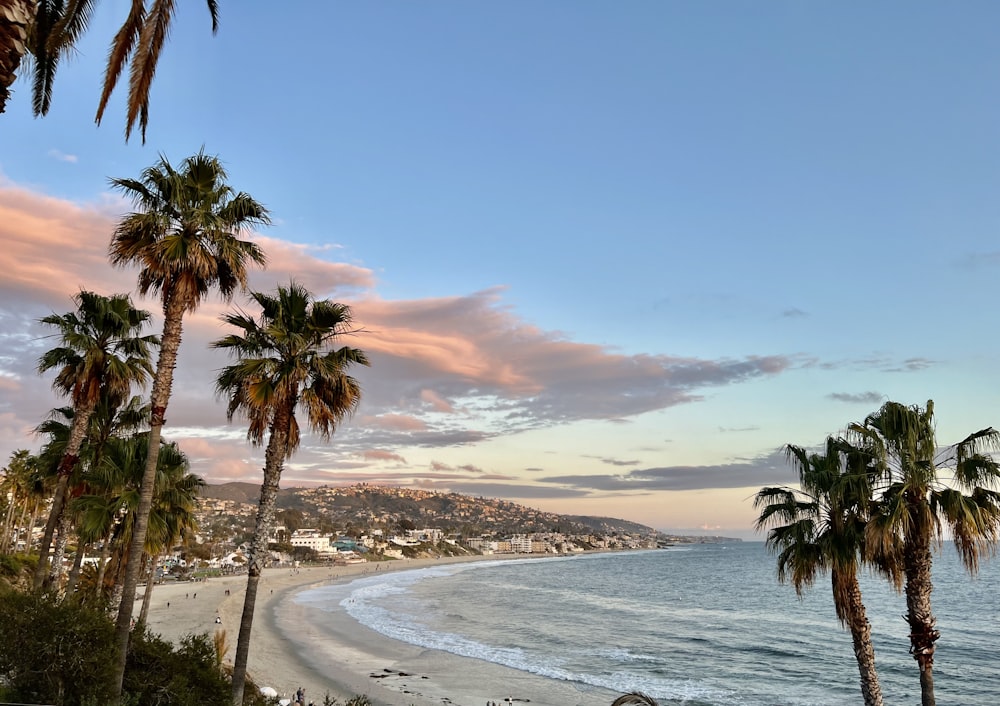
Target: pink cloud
[
  {"x": 394, "y": 422},
  {"x": 437, "y": 402}
]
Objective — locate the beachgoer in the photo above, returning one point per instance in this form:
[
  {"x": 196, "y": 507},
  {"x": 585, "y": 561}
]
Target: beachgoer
[{"x": 218, "y": 620}]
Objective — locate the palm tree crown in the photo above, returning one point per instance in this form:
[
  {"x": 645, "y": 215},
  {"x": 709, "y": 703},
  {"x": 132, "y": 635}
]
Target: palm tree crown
[
  {"x": 184, "y": 233},
  {"x": 286, "y": 357},
  {"x": 100, "y": 349}
]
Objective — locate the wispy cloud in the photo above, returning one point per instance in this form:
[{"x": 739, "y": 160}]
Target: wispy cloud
[
  {"x": 62, "y": 156},
  {"x": 771, "y": 468},
  {"x": 856, "y": 398}
]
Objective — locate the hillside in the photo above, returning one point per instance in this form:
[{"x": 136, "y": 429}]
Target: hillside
[{"x": 365, "y": 504}]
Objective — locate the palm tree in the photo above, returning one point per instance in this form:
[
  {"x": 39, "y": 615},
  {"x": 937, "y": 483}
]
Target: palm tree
[
  {"x": 108, "y": 508},
  {"x": 820, "y": 527},
  {"x": 173, "y": 513},
  {"x": 16, "y": 488},
  {"x": 916, "y": 505},
  {"x": 49, "y": 30},
  {"x": 184, "y": 236},
  {"x": 111, "y": 418},
  {"x": 285, "y": 357},
  {"x": 100, "y": 352}
]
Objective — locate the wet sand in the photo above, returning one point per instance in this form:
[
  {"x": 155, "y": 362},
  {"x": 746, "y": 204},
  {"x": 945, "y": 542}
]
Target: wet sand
[{"x": 289, "y": 651}]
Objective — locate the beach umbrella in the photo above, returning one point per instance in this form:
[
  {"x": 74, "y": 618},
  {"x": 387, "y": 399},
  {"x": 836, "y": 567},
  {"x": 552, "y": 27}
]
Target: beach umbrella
[{"x": 268, "y": 691}]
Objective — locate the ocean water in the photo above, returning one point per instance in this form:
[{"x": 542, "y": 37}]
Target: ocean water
[{"x": 702, "y": 625}]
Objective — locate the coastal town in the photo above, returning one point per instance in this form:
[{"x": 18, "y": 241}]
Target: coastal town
[{"x": 364, "y": 522}]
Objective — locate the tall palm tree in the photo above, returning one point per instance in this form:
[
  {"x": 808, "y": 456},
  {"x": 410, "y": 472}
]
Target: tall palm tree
[
  {"x": 185, "y": 237},
  {"x": 285, "y": 357},
  {"x": 49, "y": 30},
  {"x": 917, "y": 504},
  {"x": 820, "y": 527},
  {"x": 100, "y": 351}
]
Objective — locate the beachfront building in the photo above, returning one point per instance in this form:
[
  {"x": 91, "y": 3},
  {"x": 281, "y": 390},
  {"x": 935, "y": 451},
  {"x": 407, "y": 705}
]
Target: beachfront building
[
  {"x": 482, "y": 545},
  {"x": 425, "y": 535},
  {"x": 520, "y": 544},
  {"x": 312, "y": 539}
]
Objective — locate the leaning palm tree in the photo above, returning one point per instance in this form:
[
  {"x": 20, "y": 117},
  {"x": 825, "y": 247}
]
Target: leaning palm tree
[
  {"x": 100, "y": 352},
  {"x": 917, "y": 504},
  {"x": 819, "y": 527},
  {"x": 185, "y": 237},
  {"x": 50, "y": 30},
  {"x": 285, "y": 357}
]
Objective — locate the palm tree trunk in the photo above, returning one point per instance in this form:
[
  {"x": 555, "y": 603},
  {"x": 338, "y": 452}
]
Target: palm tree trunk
[
  {"x": 15, "y": 20},
  {"x": 173, "y": 311},
  {"x": 77, "y": 433},
  {"x": 274, "y": 459},
  {"x": 923, "y": 632},
  {"x": 62, "y": 539},
  {"x": 74, "y": 573},
  {"x": 147, "y": 596},
  {"x": 29, "y": 529},
  {"x": 102, "y": 568},
  {"x": 861, "y": 637},
  {"x": 8, "y": 524}
]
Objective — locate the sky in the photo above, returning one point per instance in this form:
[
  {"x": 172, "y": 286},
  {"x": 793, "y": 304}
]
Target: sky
[{"x": 608, "y": 258}]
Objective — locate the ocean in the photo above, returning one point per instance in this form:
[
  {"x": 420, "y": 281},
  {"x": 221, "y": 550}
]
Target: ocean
[{"x": 700, "y": 625}]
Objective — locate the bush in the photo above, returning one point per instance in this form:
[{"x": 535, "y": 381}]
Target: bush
[
  {"x": 54, "y": 653},
  {"x": 62, "y": 653},
  {"x": 158, "y": 675}
]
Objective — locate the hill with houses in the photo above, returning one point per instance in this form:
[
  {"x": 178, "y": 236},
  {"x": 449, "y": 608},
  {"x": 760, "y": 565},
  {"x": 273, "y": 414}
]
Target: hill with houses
[{"x": 227, "y": 511}]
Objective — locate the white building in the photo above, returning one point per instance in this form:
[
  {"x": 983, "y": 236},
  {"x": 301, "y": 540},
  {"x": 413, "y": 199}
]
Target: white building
[{"x": 313, "y": 539}]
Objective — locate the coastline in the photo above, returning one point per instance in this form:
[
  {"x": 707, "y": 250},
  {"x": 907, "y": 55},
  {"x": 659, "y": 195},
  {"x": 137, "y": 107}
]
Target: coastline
[{"x": 289, "y": 651}]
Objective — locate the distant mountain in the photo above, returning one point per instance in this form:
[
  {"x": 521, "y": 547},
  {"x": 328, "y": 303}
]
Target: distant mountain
[
  {"x": 606, "y": 525},
  {"x": 235, "y": 492}
]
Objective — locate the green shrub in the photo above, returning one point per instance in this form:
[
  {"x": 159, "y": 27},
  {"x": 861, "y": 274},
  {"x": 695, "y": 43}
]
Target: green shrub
[{"x": 54, "y": 653}]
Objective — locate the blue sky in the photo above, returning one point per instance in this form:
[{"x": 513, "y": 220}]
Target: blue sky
[{"x": 610, "y": 257}]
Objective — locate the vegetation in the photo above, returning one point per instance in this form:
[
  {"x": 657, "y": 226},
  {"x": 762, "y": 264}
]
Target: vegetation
[
  {"x": 285, "y": 357},
  {"x": 62, "y": 653},
  {"x": 54, "y": 652}
]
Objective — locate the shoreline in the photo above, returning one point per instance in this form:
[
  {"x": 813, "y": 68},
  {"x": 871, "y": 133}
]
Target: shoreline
[
  {"x": 290, "y": 650},
  {"x": 344, "y": 667}
]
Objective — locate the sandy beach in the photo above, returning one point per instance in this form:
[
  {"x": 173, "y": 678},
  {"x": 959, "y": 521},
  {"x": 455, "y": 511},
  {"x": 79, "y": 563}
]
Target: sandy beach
[{"x": 288, "y": 652}]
